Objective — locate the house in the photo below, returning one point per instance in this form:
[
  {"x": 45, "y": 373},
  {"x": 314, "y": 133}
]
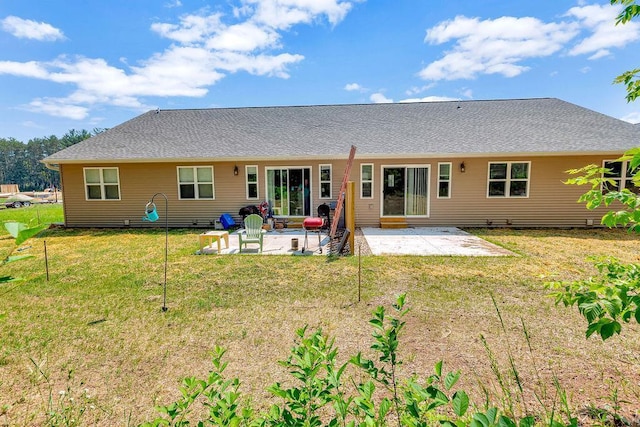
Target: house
[{"x": 459, "y": 163}]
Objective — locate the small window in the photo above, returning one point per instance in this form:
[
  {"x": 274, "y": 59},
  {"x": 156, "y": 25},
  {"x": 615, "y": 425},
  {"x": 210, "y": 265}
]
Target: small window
[
  {"x": 325, "y": 181},
  {"x": 366, "y": 181},
  {"x": 444, "y": 180},
  {"x": 102, "y": 183},
  {"x": 195, "y": 182},
  {"x": 509, "y": 179},
  {"x": 621, "y": 174},
  {"x": 252, "y": 182}
]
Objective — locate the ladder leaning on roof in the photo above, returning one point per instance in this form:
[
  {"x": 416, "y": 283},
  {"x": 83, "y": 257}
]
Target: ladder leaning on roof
[{"x": 343, "y": 188}]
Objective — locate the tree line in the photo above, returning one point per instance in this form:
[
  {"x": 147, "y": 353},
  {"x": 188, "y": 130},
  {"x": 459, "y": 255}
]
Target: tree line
[{"x": 21, "y": 164}]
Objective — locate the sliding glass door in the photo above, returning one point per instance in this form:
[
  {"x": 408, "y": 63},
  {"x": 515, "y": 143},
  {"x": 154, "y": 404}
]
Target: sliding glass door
[
  {"x": 288, "y": 191},
  {"x": 405, "y": 191}
]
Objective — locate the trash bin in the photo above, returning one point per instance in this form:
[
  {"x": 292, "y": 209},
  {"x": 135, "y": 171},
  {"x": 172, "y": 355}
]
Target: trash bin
[{"x": 294, "y": 244}]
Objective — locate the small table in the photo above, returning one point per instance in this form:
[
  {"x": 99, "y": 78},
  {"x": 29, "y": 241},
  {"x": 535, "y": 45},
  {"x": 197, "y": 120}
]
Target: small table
[{"x": 213, "y": 236}]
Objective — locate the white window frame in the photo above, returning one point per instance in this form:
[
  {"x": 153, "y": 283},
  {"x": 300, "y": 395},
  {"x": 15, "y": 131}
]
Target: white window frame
[
  {"x": 320, "y": 181},
  {"x": 448, "y": 181},
  {"x": 366, "y": 181},
  {"x": 102, "y": 183},
  {"x": 196, "y": 182},
  {"x": 624, "y": 175},
  {"x": 249, "y": 183},
  {"x": 508, "y": 180}
]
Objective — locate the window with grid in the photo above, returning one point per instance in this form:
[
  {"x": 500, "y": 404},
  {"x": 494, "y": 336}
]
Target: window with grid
[
  {"x": 195, "y": 182},
  {"x": 621, "y": 175},
  {"x": 102, "y": 183},
  {"x": 366, "y": 181},
  {"x": 509, "y": 179},
  {"x": 252, "y": 182},
  {"x": 444, "y": 180},
  {"x": 325, "y": 181}
]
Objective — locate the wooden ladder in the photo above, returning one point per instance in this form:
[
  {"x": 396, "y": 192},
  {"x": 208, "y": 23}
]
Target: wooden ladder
[{"x": 343, "y": 189}]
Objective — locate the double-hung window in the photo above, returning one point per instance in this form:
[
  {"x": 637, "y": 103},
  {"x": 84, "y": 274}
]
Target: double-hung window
[
  {"x": 509, "y": 179},
  {"x": 195, "y": 182},
  {"x": 621, "y": 174},
  {"x": 102, "y": 183},
  {"x": 366, "y": 181},
  {"x": 252, "y": 182},
  {"x": 325, "y": 181},
  {"x": 444, "y": 180}
]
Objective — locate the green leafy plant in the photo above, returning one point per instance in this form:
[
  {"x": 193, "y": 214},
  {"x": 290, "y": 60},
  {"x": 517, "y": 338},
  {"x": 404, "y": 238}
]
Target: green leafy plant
[
  {"x": 629, "y": 78},
  {"x": 606, "y": 300},
  {"x": 21, "y": 233},
  {"x": 220, "y": 397},
  {"x": 319, "y": 395}
]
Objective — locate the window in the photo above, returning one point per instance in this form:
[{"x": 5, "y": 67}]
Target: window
[
  {"x": 252, "y": 182},
  {"x": 509, "y": 179},
  {"x": 444, "y": 180},
  {"x": 622, "y": 176},
  {"x": 195, "y": 182},
  {"x": 325, "y": 181},
  {"x": 366, "y": 181},
  {"x": 102, "y": 183}
]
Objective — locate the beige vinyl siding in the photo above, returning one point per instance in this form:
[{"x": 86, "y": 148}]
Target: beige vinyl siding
[
  {"x": 139, "y": 182},
  {"x": 550, "y": 202}
]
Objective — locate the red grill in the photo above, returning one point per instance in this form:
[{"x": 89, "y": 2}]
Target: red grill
[{"x": 313, "y": 225}]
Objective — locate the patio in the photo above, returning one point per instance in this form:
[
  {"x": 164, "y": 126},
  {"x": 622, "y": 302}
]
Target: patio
[{"x": 419, "y": 241}]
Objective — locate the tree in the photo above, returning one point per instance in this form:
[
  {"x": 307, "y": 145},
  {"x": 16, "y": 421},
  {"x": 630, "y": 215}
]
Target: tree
[
  {"x": 631, "y": 78},
  {"x": 21, "y": 163},
  {"x": 613, "y": 296}
]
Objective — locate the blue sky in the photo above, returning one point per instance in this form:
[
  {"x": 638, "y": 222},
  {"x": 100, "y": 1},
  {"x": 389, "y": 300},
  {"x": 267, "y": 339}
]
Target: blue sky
[{"x": 82, "y": 64}]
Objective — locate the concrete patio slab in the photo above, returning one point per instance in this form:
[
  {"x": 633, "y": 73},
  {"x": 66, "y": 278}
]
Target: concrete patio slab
[
  {"x": 426, "y": 241},
  {"x": 276, "y": 242},
  {"x": 420, "y": 241}
]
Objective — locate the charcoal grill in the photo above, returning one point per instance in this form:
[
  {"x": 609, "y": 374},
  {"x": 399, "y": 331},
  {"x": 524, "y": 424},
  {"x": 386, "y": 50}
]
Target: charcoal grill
[{"x": 313, "y": 225}]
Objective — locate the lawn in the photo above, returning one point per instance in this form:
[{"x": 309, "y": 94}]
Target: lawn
[{"x": 95, "y": 330}]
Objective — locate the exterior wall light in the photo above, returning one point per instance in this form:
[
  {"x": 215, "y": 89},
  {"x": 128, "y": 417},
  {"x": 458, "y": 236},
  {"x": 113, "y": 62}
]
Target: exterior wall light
[
  {"x": 462, "y": 167},
  {"x": 235, "y": 170}
]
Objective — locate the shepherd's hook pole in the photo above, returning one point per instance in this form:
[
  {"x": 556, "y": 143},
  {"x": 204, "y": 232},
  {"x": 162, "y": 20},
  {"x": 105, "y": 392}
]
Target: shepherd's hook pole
[{"x": 166, "y": 246}]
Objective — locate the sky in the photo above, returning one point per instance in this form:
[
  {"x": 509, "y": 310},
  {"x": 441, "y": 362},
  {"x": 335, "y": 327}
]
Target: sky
[{"x": 85, "y": 64}]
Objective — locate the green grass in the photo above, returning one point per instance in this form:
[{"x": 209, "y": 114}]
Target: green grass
[
  {"x": 97, "y": 323},
  {"x": 45, "y": 213}
]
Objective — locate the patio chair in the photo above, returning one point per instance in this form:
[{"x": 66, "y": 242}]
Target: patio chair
[{"x": 252, "y": 232}]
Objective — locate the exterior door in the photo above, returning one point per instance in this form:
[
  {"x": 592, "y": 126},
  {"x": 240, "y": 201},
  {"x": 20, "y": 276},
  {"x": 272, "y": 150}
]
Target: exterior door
[
  {"x": 405, "y": 191},
  {"x": 393, "y": 192}
]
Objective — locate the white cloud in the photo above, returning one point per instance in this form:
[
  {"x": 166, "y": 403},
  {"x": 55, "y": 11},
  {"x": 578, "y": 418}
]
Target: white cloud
[
  {"x": 282, "y": 14},
  {"x": 28, "y": 29},
  {"x": 600, "y": 21},
  {"x": 173, "y": 3},
  {"x": 354, "y": 87},
  {"x": 58, "y": 108},
  {"x": 379, "y": 98},
  {"x": 467, "y": 93},
  {"x": 493, "y": 46},
  {"x": 205, "y": 47},
  {"x": 632, "y": 117},
  {"x": 191, "y": 29},
  {"x": 585, "y": 70},
  {"x": 502, "y": 45},
  {"x": 430, "y": 99},
  {"x": 414, "y": 90}
]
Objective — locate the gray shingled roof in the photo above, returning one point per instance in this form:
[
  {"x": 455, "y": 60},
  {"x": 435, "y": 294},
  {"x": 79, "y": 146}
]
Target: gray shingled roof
[{"x": 434, "y": 129}]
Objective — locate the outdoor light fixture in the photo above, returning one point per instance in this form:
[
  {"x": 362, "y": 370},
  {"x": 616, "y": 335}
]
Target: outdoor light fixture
[
  {"x": 235, "y": 170},
  {"x": 151, "y": 215},
  {"x": 462, "y": 167}
]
